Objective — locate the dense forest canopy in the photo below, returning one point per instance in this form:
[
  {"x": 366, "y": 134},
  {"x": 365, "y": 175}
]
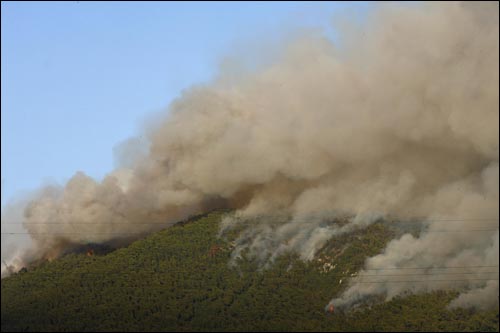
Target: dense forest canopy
[{"x": 179, "y": 279}]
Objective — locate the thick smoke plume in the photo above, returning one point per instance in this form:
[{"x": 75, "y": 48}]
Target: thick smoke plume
[{"x": 400, "y": 119}]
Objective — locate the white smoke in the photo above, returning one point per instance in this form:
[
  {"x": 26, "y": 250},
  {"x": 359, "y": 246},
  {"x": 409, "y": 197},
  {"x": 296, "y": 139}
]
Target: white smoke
[{"x": 400, "y": 120}]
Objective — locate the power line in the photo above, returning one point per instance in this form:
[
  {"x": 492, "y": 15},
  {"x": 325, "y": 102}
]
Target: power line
[
  {"x": 72, "y": 233},
  {"x": 177, "y": 271},
  {"x": 371, "y": 282},
  {"x": 146, "y": 231},
  {"x": 391, "y": 220},
  {"x": 464, "y": 230},
  {"x": 257, "y": 221},
  {"x": 344, "y": 274},
  {"x": 430, "y": 267},
  {"x": 418, "y": 281},
  {"x": 421, "y": 274}
]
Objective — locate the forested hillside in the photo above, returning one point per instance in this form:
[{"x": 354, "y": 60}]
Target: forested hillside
[{"x": 179, "y": 279}]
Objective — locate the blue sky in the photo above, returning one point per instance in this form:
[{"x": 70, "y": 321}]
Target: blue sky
[{"x": 78, "y": 78}]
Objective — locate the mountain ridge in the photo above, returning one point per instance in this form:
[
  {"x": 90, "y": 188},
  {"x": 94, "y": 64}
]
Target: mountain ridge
[{"x": 178, "y": 279}]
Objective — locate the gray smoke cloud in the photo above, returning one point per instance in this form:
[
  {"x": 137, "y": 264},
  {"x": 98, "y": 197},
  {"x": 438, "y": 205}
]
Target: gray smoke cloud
[{"x": 399, "y": 120}]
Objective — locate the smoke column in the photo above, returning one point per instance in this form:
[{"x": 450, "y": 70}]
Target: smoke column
[{"x": 400, "y": 119}]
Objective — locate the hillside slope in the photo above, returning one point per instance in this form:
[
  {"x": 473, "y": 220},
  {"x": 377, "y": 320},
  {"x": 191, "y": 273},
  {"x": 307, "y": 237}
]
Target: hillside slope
[{"x": 179, "y": 279}]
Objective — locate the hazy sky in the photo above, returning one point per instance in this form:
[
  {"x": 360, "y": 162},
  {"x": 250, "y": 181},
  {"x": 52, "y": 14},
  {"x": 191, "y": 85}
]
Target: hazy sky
[{"x": 78, "y": 78}]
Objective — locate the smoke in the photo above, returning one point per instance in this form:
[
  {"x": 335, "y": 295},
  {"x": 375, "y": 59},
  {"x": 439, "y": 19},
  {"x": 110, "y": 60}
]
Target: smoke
[{"x": 400, "y": 119}]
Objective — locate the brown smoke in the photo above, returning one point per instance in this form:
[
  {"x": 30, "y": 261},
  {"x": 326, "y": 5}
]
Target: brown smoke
[{"x": 401, "y": 119}]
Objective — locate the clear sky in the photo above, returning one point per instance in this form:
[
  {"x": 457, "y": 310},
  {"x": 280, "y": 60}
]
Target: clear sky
[{"x": 78, "y": 77}]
